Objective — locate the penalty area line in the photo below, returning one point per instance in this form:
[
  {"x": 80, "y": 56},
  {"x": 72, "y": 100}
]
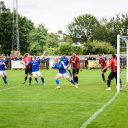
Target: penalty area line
[{"x": 86, "y": 123}]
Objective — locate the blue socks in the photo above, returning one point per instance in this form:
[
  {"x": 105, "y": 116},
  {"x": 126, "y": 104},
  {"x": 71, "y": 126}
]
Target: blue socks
[
  {"x": 5, "y": 81},
  {"x": 72, "y": 81},
  {"x": 36, "y": 80},
  {"x": 57, "y": 82},
  {"x": 70, "y": 73}
]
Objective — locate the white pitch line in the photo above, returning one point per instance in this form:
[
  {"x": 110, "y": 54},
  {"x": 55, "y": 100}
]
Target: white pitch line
[
  {"x": 8, "y": 88},
  {"x": 86, "y": 123}
]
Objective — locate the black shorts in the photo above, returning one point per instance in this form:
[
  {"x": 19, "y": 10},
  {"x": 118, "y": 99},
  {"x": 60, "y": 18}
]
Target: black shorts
[
  {"x": 75, "y": 71},
  {"x": 28, "y": 71},
  {"x": 112, "y": 75},
  {"x": 104, "y": 70}
]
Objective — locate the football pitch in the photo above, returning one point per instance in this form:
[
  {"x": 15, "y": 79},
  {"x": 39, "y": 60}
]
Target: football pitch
[{"x": 38, "y": 106}]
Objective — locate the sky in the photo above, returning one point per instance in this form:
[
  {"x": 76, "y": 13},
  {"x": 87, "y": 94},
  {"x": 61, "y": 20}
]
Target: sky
[{"x": 57, "y": 14}]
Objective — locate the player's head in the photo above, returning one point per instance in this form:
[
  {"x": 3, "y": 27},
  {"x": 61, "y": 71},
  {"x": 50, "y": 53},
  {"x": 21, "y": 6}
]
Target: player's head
[
  {"x": 55, "y": 60},
  {"x": 34, "y": 58},
  {"x": 114, "y": 56},
  {"x": 73, "y": 54},
  {"x": 101, "y": 60},
  {"x": 63, "y": 55},
  {"x": 26, "y": 55}
]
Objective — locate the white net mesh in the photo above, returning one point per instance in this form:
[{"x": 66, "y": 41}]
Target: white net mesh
[{"x": 123, "y": 59}]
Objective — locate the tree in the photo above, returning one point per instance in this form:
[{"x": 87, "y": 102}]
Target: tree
[
  {"x": 98, "y": 47},
  {"x": 81, "y": 29},
  {"x": 37, "y": 40},
  {"x": 108, "y": 29},
  {"x": 6, "y": 31},
  {"x": 65, "y": 49},
  {"x": 52, "y": 40}
]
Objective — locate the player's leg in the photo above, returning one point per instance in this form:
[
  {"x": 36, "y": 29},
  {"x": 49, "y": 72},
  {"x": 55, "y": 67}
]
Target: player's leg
[
  {"x": 30, "y": 79},
  {"x": 26, "y": 76},
  {"x": 41, "y": 76},
  {"x": 70, "y": 73},
  {"x": 70, "y": 80},
  {"x": 34, "y": 74},
  {"x": 4, "y": 78},
  {"x": 76, "y": 76},
  {"x": 58, "y": 76},
  {"x": 69, "y": 70},
  {"x": 110, "y": 77},
  {"x": 30, "y": 75},
  {"x": 103, "y": 76},
  {"x": 5, "y": 75}
]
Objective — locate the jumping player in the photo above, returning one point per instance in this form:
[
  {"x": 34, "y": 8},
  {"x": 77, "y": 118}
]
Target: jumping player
[
  {"x": 62, "y": 72},
  {"x": 35, "y": 64},
  {"x": 2, "y": 70},
  {"x": 75, "y": 62},
  {"x": 66, "y": 62},
  {"x": 28, "y": 70}
]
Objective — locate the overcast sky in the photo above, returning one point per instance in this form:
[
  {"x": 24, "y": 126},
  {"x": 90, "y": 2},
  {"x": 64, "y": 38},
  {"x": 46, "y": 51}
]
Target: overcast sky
[{"x": 56, "y": 14}]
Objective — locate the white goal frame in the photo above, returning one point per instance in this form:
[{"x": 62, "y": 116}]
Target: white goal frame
[{"x": 119, "y": 38}]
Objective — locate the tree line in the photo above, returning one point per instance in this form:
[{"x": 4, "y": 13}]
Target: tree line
[{"x": 97, "y": 36}]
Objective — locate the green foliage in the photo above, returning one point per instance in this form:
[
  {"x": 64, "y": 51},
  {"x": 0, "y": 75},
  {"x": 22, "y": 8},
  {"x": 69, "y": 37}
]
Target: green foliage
[
  {"x": 37, "y": 40},
  {"x": 6, "y": 31},
  {"x": 77, "y": 50},
  {"x": 0, "y": 49},
  {"x": 98, "y": 47},
  {"x": 68, "y": 39},
  {"x": 52, "y": 40},
  {"x": 65, "y": 49},
  {"x": 52, "y": 51},
  {"x": 81, "y": 29},
  {"x": 87, "y": 28}
]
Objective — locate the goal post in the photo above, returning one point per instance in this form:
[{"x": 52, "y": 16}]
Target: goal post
[{"x": 122, "y": 61}]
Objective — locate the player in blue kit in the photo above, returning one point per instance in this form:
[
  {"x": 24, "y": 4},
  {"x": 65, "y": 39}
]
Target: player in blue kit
[
  {"x": 62, "y": 72},
  {"x": 35, "y": 64},
  {"x": 66, "y": 62},
  {"x": 2, "y": 70}
]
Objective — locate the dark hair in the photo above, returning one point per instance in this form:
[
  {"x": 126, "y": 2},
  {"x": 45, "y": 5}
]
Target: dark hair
[
  {"x": 113, "y": 55},
  {"x": 25, "y": 55}
]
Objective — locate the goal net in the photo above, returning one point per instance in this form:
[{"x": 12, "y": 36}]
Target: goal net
[{"x": 122, "y": 61}]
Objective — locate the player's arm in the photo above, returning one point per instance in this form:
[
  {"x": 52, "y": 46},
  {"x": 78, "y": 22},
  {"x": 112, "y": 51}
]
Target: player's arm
[
  {"x": 80, "y": 66},
  {"x": 22, "y": 62},
  {"x": 43, "y": 55},
  {"x": 65, "y": 67},
  {"x": 56, "y": 66}
]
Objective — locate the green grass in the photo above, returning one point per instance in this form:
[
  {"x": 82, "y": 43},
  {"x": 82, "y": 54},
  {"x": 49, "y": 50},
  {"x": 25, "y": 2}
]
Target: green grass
[{"x": 37, "y": 106}]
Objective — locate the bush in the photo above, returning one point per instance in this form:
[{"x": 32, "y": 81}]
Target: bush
[
  {"x": 65, "y": 49},
  {"x": 77, "y": 50},
  {"x": 98, "y": 47}
]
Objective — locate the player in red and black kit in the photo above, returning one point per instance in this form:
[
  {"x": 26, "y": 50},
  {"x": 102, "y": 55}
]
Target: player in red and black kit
[
  {"x": 113, "y": 73},
  {"x": 28, "y": 69},
  {"x": 103, "y": 63},
  {"x": 75, "y": 62}
]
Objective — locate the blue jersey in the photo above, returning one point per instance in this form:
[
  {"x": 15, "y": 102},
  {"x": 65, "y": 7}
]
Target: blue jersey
[
  {"x": 60, "y": 67},
  {"x": 2, "y": 65},
  {"x": 65, "y": 60},
  {"x": 35, "y": 65}
]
